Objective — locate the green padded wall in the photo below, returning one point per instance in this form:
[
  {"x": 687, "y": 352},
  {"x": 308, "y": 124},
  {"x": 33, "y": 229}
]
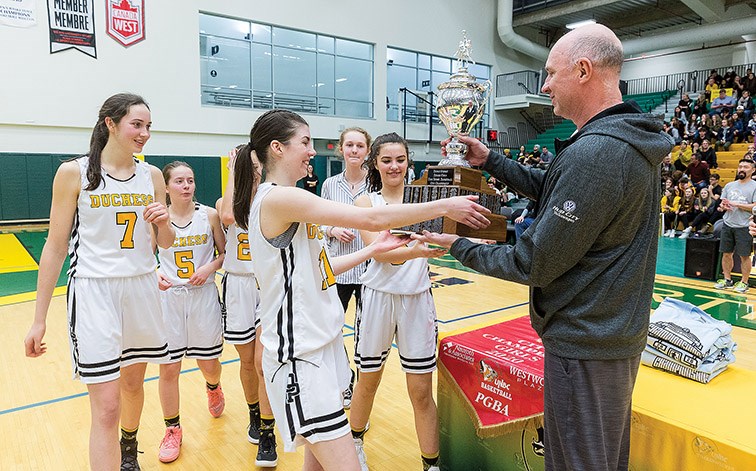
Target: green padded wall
[
  {"x": 26, "y": 182},
  {"x": 207, "y": 174},
  {"x": 26, "y": 185}
]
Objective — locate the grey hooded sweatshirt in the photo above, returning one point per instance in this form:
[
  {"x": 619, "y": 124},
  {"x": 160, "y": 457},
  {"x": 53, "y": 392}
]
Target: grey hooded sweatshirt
[{"x": 590, "y": 255}]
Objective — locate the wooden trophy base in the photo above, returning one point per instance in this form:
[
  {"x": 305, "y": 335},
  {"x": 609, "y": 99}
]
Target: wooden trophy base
[{"x": 445, "y": 182}]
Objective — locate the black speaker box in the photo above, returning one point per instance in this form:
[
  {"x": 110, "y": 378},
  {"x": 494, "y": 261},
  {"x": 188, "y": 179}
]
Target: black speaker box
[{"x": 701, "y": 258}]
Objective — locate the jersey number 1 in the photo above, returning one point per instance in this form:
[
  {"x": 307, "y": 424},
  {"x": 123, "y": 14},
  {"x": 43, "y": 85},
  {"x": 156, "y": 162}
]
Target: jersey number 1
[{"x": 329, "y": 279}]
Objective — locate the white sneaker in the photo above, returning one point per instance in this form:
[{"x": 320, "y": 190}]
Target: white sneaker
[
  {"x": 685, "y": 234},
  {"x": 434, "y": 468},
  {"x": 360, "y": 446}
]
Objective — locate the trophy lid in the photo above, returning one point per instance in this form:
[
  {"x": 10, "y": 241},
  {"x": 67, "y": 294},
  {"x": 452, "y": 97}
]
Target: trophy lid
[{"x": 464, "y": 50}]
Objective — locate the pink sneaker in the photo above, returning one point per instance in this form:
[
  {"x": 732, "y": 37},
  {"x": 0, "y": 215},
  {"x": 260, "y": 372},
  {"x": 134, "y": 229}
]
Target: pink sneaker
[
  {"x": 216, "y": 402},
  {"x": 171, "y": 444}
]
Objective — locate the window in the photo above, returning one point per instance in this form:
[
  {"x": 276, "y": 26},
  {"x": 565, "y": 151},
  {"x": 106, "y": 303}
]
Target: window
[
  {"x": 421, "y": 74},
  {"x": 253, "y": 65}
]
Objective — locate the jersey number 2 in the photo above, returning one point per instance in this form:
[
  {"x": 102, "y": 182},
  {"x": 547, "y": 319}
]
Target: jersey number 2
[{"x": 128, "y": 220}]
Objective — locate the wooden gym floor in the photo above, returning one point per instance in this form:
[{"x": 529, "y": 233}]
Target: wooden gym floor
[{"x": 44, "y": 415}]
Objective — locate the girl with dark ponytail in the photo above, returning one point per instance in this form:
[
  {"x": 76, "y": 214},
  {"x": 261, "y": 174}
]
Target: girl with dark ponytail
[
  {"x": 304, "y": 364},
  {"x": 108, "y": 207}
]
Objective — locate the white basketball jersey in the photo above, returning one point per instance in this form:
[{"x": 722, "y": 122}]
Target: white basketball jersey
[
  {"x": 192, "y": 248},
  {"x": 238, "y": 256},
  {"x": 301, "y": 311},
  {"x": 110, "y": 238},
  {"x": 410, "y": 277}
]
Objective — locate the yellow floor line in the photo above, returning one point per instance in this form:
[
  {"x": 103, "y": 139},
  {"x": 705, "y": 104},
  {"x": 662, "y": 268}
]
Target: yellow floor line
[{"x": 13, "y": 255}]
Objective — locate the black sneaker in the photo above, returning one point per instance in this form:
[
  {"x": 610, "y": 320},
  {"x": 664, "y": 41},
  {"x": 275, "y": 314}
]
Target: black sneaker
[
  {"x": 253, "y": 429},
  {"x": 129, "y": 457},
  {"x": 266, "y": 450}
]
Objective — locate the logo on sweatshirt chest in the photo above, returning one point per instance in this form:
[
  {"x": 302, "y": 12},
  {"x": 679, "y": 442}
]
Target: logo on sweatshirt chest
[{"x": 566, "y": 212}]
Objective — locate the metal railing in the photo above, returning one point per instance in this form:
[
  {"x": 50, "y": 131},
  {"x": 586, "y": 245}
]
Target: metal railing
[
  {"x": 692, "y": 81},
  {"x": 518, "y": 83}
]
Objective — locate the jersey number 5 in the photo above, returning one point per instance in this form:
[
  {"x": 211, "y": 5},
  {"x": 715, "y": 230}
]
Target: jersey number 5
[
  {"x": 329, "y": 279},
  {"x": 128, "y": 220},
  {"x": 184, "y": 263}
]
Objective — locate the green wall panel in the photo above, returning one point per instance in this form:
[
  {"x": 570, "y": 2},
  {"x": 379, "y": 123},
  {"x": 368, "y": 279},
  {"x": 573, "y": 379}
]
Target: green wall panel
[{"x": 26, "y": 181}]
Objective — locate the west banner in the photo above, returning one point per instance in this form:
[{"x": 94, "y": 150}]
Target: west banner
[
  {"x": 125, "y": 21},
  {"x": 72, "y": 26},
  {"x": 20, "y": 13}
]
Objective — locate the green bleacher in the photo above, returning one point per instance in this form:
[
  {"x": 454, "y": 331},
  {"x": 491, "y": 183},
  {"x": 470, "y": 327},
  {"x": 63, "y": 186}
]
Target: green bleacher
[{"x": 563, "y": 130}]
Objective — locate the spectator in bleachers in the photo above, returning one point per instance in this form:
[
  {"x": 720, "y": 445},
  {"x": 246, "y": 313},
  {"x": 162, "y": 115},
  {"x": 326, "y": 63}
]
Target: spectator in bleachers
[
  {"x": 672, "y": 131},
  {"x": 703, "y": 208},
  {"x": 686, "y": 105},
  {"x": 715, "y": 75},
  {"x": 679, "y": 125},
  {"x": 708, "y": 154},
  {"x": 676, "y": 176},
  {"x": 546, "y": 157},
  {"x": 670, "y": 203},
  {"x": 691, "y": 129},
  {"x": 712, "y": 89},
  {"x": 686, "y": 210},
  {"x": 680, "y": 114},
  {"x": 714, "y": 187},
  {"x": 667, "y": 167},
  {"x": 704, "y": 129},
  {"x": 683, "y": 184},
  {"x": 722, "y": 102},
  {"x": 725, "y": 136},
  {"x": 682, "y": 158},
  {"x": 698, "y": 172},
  {"x": 729, "y": 78},
  {"x": 749, "y": 82},
  {"x": 750, "y": 153},
  {"x": 737, "y": 87},
  {"x": 524, "y": 219},
  {"x": 522, "y": 156},
  {"x": 738, "y": 123},
  {"x": 508, "y": 153},
  {"x": 746, "y": 102},
  {"x": 751, "y": 129},
  {"x": 700, "y": 106}
]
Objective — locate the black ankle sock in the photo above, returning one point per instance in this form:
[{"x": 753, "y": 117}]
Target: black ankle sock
[
  {"x": 359, "y": 433},
  {"x": 129, "y": 436},
  {"x": 267, "y": 423},
  {"x": 254, "y": 408},
  {"x": 212, "y": 387},
  {"x": 429, "y": 461},
  {"x": 172, "y": 421}
]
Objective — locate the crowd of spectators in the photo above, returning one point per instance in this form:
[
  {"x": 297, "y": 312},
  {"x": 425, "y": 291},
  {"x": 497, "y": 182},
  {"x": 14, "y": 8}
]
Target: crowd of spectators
[
  {"x": 722, "y": 114},
  {"x": 692, "y": 206}
]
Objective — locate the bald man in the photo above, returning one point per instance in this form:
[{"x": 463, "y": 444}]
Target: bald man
[{"x": 590, "y": 255}]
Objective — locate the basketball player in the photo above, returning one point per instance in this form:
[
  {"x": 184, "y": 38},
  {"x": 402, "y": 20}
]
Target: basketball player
[
  {"x": 304, "y": 365},
  {"x": 191, "y": 308},
  {"x": 241, "y": 306},
  {"x": 103, "y": 205},
  {"x": 396, "y": 304}
]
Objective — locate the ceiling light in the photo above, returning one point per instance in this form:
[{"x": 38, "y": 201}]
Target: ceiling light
[{"x": 578, "y": 24}]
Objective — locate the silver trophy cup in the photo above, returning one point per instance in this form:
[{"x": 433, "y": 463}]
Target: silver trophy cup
[{"x": 460, "y": 104}]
